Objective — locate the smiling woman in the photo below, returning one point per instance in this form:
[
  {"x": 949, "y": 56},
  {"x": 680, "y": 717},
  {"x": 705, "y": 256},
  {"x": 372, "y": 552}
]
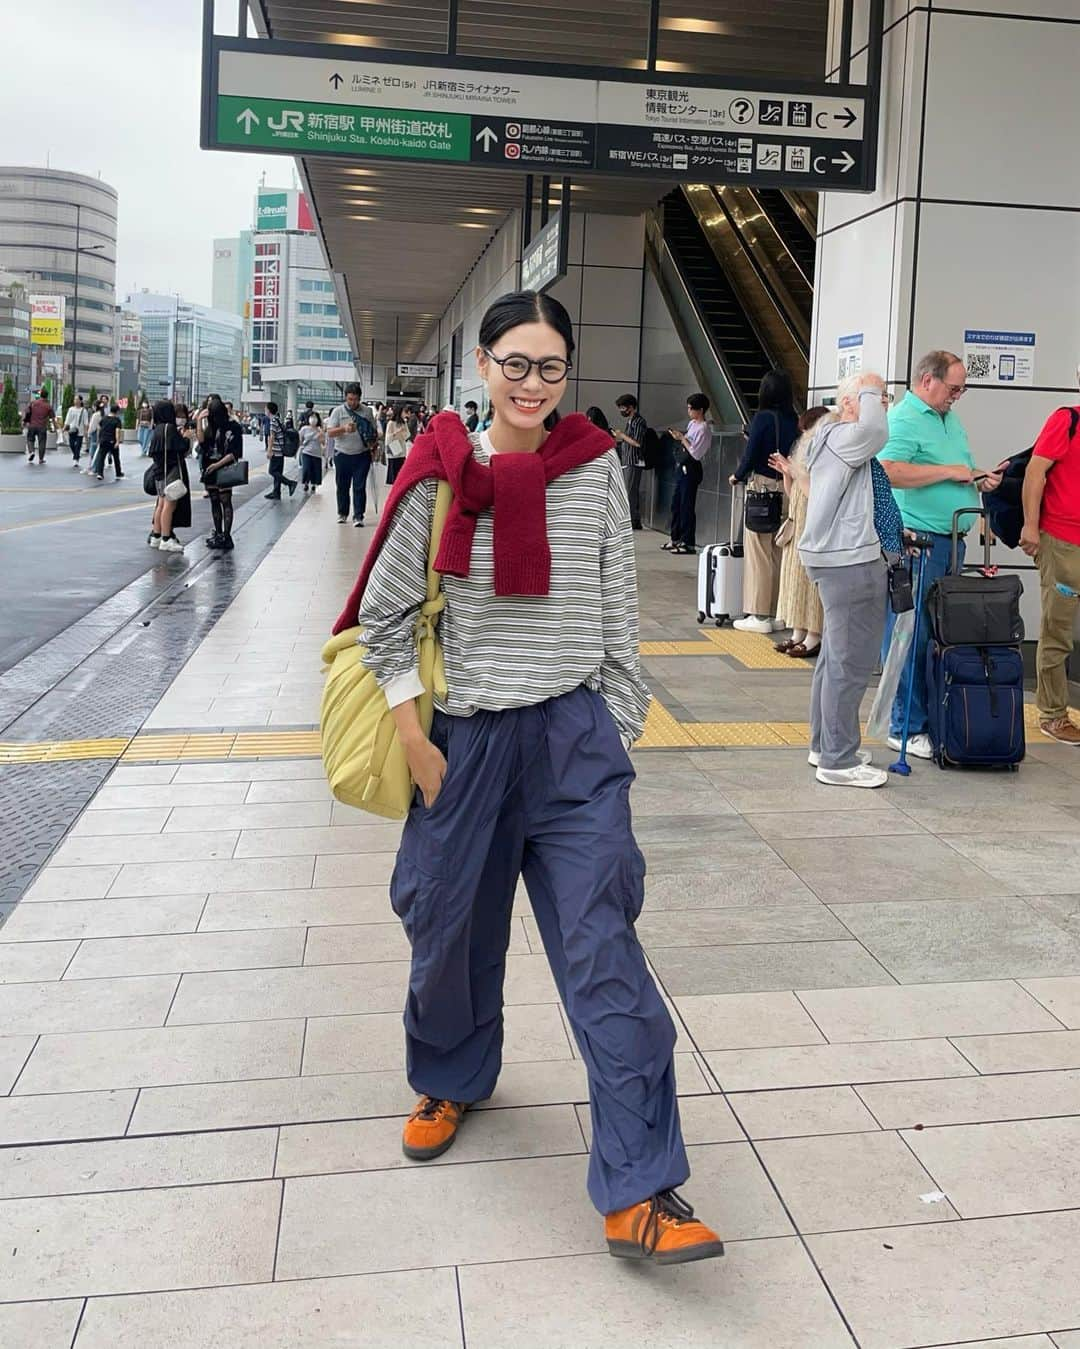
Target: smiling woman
[{"x": 526, "y": 772}]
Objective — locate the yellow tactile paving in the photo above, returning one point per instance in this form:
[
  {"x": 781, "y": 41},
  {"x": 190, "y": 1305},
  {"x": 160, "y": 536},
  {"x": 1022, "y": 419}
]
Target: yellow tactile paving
[
  {"x": 791, "y": 732},
  {"x": 55, "y": 750},
  {"x": 729, "y": 733},
  {"x": 752, "y": 650},
  {"x": 227, "y": 745},
  {"x": 662, "y": 731},
  {"x": 678, "y": 649}
]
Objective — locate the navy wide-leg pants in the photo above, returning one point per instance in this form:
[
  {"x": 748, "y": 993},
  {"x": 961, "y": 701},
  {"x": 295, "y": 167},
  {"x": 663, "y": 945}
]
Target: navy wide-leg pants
[{"x": 541, "y": 792}]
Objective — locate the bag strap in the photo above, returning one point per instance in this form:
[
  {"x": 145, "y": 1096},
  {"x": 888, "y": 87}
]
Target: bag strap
[{"x": 443, "y": 498}]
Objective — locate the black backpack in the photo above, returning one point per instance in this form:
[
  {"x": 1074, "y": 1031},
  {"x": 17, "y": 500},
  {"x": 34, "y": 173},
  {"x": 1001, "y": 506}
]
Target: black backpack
[
  {"x": 1005, "y": 505},
  {"x": 650, "y": 449},
  {"x": 290, "y": 441}
]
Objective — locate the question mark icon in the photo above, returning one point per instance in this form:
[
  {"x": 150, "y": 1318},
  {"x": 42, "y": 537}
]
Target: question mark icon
[{"x": 742, "y": 110}]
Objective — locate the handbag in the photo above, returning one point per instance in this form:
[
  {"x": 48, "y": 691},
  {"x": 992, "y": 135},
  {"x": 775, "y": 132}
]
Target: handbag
[
  {"x": 763, "y": 511},
  {"x": 149, "y": 480},
  {"x": 364, "y": 759},
  {"x": 232, "y": 475},
  {"x": 290, "y": 469},
  {"x": 785, "y": 533}
]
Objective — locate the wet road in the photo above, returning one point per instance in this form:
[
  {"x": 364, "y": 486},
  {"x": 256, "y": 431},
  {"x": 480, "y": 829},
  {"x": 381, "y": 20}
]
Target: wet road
[{"x": 68, "y": 542}]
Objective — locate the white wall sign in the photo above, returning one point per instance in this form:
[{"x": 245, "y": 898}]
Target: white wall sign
[
  {"x": 417, "y": 370},
  {"x": 849, "y": 351},
  {"x": 992, "y": 357}
]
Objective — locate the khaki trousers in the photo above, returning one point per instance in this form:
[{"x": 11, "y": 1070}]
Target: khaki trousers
[
  {"x": 1058, "y": 561},
  {"x": 761, "y": 572}
]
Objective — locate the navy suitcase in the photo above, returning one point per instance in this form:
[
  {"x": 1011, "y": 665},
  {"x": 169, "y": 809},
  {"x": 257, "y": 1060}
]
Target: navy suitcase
[{"x": 975, "y": 699}]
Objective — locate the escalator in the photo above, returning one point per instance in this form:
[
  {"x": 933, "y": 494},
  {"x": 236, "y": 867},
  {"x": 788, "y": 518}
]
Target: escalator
[
  {"x": 718, "y": 306},
  {"x": 745, "y": 258},
  {"x": 792, "y": 227}
]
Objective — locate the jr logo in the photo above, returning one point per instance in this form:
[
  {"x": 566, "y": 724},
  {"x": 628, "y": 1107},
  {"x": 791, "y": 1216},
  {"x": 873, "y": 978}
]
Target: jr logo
[{"x": 289, "y": 121}]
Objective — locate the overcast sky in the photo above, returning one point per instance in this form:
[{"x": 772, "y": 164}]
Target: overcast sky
[{"x": 111, "y": 88}]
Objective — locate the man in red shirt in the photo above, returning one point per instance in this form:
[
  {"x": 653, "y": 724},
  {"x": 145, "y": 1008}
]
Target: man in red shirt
[
  {"x": 38, "y": 418},
  {"x": 1052, "y": 535}
]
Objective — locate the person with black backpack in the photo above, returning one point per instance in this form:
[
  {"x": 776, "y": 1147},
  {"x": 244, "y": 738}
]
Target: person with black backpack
[
  {"x": 351, "y": 426},
  {"x": 631, "y": 442}
]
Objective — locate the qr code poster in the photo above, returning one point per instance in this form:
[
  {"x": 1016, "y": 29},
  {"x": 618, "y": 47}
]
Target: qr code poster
[
  {"x": 999, "y": 358},
  {"x": 849, "y": 355}
]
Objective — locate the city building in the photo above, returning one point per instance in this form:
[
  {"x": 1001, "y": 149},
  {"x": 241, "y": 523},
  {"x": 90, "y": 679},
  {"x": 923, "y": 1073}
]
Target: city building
[
  {"x": 231, "y": 278},
  {"x": 58, "y": 236},
  {"x": 187, "y": 350},
  {"x": 14, "y": 332},
  {"x": 131, "y": 346},
  {"x": 275, "y": 277}
]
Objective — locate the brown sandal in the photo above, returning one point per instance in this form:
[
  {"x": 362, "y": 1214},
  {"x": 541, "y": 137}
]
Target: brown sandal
[
  {"x": 800, "y": 651},
  {"x": 784, "y": 648}
]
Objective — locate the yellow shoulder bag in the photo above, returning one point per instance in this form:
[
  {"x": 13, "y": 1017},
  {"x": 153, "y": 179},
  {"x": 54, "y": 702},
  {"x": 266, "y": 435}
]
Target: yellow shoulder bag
[{"x": 364, "y": 760}]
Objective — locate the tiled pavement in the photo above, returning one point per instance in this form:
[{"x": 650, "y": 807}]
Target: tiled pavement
[{"x": 877, "y": 995}]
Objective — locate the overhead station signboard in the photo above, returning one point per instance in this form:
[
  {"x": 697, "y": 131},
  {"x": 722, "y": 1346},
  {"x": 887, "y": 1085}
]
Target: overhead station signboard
[
  {"x": 303, "y": 100},
  {"x": 545, "y": 258},
  {"x": 417, "y": 370}
]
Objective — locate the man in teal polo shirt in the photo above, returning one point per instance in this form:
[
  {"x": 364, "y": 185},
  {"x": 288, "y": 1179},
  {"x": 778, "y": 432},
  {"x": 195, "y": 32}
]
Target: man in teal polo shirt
[{"x": 933, "y": 475}]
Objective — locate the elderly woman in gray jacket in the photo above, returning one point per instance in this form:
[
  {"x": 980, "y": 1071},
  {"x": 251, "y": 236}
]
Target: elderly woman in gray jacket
[{"x": 841, "y": 552}]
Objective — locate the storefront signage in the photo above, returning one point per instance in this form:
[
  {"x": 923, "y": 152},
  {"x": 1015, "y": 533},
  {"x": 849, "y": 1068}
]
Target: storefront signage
[
  {"x": 47, "y": 320},
  {"x": 397, "y": 106},
  {"x": 417, "y": 370}
]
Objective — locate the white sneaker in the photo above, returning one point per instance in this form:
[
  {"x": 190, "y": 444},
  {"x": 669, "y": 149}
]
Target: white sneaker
[
  {"x": 343, "y": 519},
  {"x": 918, "y": 746},
  {"x": 863, "y": 756},
  {"x": 862, "y": 775},
  {"x": 170, "y": 545},
  {"x": 762, "y": 625},
  {"x": 778, "y": 625}
]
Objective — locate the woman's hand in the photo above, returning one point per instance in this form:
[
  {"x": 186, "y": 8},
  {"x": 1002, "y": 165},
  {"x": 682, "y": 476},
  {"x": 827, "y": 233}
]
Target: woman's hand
[
  {"x": 427, "y": 766},
  {"x": 780, "y": 465},
  {"x": 732, "y": 481}
]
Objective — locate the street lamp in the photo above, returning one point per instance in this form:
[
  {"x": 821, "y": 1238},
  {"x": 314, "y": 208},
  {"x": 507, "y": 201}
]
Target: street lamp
[{"x": 93, "y": 248}]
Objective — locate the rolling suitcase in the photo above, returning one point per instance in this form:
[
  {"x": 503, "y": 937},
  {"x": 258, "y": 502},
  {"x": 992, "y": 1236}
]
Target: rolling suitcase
[
  {"x": 720, "y": 576},
  {"x": 975, "y": 701},
  {"x": 974, "y": 666}
]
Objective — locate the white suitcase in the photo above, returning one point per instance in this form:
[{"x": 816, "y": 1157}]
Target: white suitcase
[{"x": 720, "y": 575}]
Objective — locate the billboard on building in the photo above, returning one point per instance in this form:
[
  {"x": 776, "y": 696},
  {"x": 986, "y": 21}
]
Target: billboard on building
[
  {"x": 271, "y": 210},
  {"x": 47, "y": 320},
  {"x": 276, "y": 209}
]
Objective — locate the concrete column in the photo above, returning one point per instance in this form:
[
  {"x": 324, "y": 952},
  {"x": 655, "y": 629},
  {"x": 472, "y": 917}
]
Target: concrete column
[{"x": 975, "y": 223}]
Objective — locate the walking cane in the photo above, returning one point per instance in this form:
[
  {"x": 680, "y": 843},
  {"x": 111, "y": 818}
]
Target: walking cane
[{"x": 901, "y": 765}]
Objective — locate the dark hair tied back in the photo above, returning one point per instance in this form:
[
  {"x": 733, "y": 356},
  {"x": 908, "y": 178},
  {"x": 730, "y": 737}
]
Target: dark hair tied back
[{"x": 527, "y": 306}]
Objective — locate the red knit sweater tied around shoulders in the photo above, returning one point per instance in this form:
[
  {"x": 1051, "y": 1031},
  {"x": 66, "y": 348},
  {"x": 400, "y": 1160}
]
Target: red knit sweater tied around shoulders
[{"x": 513, "y": 487}]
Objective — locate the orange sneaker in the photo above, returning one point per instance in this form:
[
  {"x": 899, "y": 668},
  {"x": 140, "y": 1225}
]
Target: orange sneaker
[
  {"x": 662, "y": 1229},
  {"x": 431, "y": 1128}
]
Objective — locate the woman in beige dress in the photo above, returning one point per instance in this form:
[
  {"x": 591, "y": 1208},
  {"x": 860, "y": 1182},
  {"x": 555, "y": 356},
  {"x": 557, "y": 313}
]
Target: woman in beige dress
[{"x": 798, "y": 604}]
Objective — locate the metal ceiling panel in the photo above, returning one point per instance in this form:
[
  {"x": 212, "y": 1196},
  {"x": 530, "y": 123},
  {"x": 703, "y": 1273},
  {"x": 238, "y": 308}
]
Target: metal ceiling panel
[{"x": 404, "y": 237}]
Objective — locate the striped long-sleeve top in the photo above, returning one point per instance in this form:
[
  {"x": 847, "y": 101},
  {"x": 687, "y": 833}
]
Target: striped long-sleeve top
[{"x": 516, "y": 651}]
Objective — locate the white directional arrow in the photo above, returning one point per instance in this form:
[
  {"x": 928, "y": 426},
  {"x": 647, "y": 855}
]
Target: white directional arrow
[
  {"x": 845, "y": 161},
  {"x": 248, "y": 119},
  {"x": 487, "y": 138}
]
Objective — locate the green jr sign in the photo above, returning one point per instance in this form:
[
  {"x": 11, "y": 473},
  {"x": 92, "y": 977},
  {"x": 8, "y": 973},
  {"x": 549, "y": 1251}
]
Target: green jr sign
[{"x": 334, "y": 128}]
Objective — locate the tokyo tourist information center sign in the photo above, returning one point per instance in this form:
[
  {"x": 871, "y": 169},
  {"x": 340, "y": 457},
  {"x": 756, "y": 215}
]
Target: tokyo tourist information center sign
[{"x": 303, "y": 100}]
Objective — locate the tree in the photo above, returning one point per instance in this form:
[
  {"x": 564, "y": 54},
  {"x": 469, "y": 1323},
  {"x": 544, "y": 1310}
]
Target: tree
[
  {"x": 129, "y": 412},
  {"x": 10, "y": 421},
  {"x": 67, "y": 398},
  {"x": 92, "y": 397}
]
